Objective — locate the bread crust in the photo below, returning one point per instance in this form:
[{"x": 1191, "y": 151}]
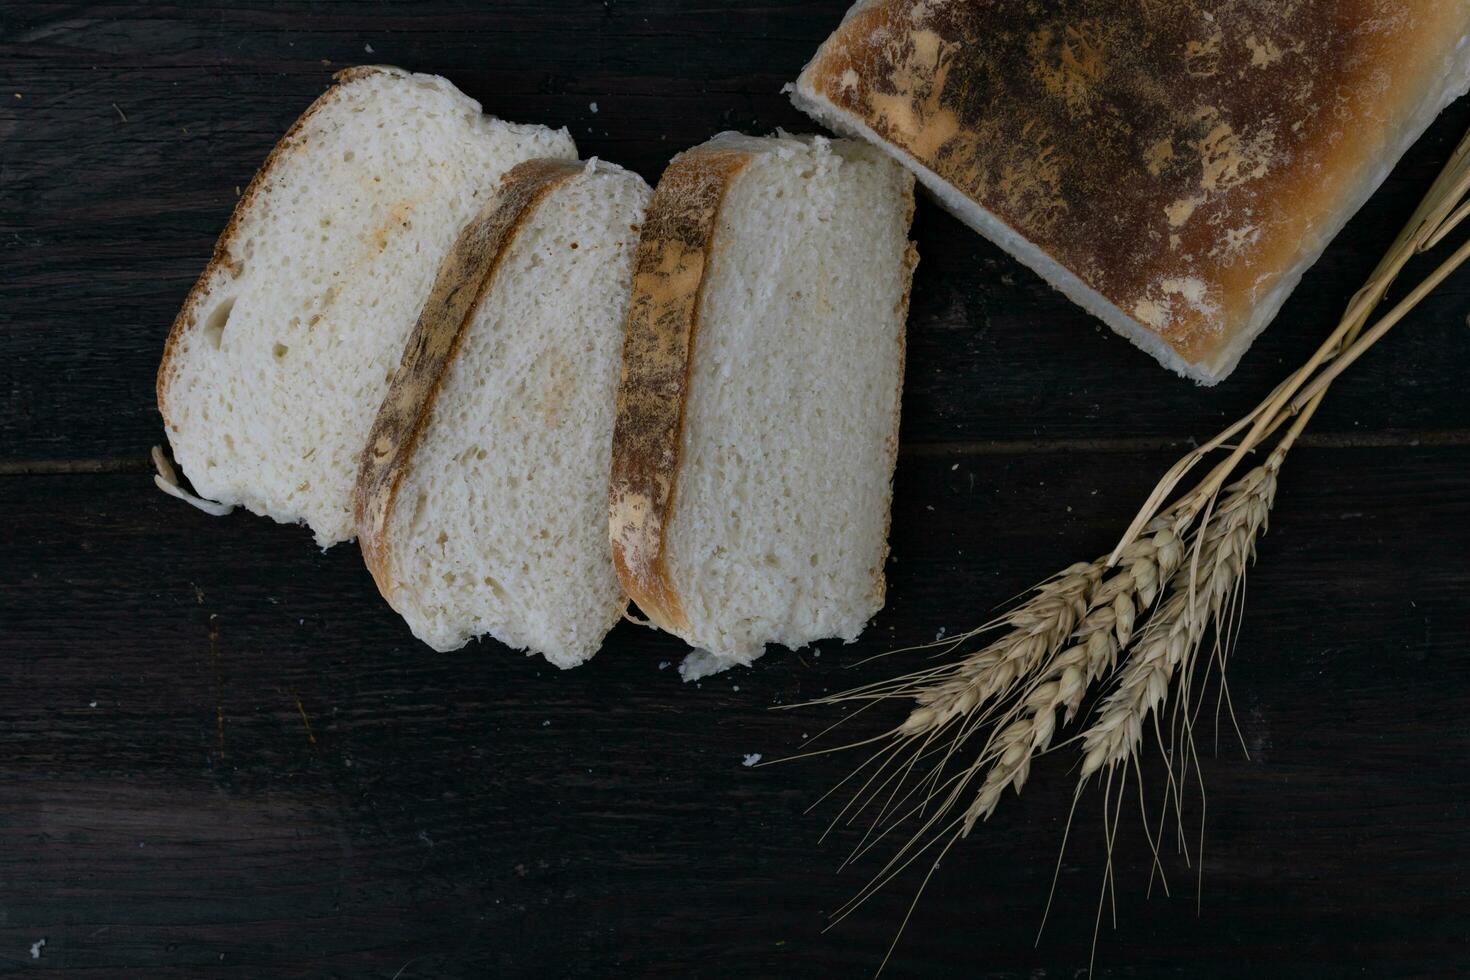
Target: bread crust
[
  {"x": 1186, "y": 159},
  {"x": 673, "y": 255},
  {"x": 464, "y": 278},
  {"x": 222, "y": 259},
  {"x": 910, "y": 263}
]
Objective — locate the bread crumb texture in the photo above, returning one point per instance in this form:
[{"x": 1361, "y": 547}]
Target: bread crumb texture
[
  {"x": 497, "y": 523},
  {"x": 777, "y": 426},
  {"x": 1178, "y": 156},
  {"x": 284, "y": 349}
]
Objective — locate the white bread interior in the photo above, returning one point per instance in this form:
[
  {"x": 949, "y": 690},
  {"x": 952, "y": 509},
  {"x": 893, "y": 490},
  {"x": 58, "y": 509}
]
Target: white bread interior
[
  {"x": 500, "y": 525},
  {"x": 780, "y": 517},
  {"x": 285, "y": 347}
]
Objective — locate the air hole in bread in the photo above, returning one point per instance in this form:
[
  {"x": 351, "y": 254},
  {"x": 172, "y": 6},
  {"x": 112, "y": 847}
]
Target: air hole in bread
[
  {"x": 214, "y": 325},
  {"x": 348, "y": 156},
  {"x": 279, "y": 351}
]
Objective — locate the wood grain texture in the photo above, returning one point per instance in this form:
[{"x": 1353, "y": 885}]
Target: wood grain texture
[
  {"x": 223, "y": 754},
  {"x": 109, "y": 214},
  {"x": 275, "y": 772}
]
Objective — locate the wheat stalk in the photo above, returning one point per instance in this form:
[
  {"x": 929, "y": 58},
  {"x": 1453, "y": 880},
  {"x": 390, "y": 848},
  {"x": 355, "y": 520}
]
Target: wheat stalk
[
  {"x": 1176, "y": 576},
  {"x": 1107, "y": 628},
  {"x": 1200, "y": 593},
  {"x": 1083, "y": 616}
]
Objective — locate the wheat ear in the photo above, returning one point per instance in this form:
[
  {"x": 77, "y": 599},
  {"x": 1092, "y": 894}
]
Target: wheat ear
[
  {"x": 1177, "y": 572},
  {"x": 1201, "y": 592},
  {"x": 1117, "y": 604}
]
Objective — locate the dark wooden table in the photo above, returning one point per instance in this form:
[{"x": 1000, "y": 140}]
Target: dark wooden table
[{"x": 221, "y": 752}]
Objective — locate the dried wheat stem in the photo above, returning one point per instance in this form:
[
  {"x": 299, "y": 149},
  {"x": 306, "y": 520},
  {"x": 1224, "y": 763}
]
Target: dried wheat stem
[
  {"x": 1082, "y": 601},
  {"x": 1117, "y": 605},
  {"x": 1442, "y": 209},
  {"x": 1199, "y": 594},
  {"x": 1177, "y": 574},
  {"x": 1038, "y": 628}
]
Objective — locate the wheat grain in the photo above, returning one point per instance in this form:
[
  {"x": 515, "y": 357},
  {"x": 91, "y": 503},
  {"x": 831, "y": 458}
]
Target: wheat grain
[
  {"x": 1177, "y": 573},
  {"x": 1078, "y": 605},
  {"x": 1107, "y": 628},
  {"x": 1199, "y": 594}
]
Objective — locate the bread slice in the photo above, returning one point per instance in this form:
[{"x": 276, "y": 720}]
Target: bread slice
[
  {"x": 481, "y": 505},
  {"x": 283, "y": 349},
  {"x": 758, "y": 407},
  {"x": 1172, "y": 167}
]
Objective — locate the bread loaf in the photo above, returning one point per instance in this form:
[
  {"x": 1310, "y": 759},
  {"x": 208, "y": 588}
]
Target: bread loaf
[
  {"x": 758, "y": 406},
  {"x": 282, "y": 352},
  {"x": 1173, "y": 166},
  {"x": 481, "y": 504}
]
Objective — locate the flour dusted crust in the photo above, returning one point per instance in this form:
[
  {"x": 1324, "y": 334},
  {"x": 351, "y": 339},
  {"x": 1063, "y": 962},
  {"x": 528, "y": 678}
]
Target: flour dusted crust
[
  {"x": 464, "y": 277},
  {"x": 668, "y": 274},
  {"x": 223, "y": 261},
  {"x": 1184, "y": 159}
]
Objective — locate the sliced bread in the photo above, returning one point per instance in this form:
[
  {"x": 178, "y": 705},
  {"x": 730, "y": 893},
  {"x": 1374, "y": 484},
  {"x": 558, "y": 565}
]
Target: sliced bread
[
  {"x": 758, "y": 407},
  {"x": 1173, "y": 167},
  {"x": 282, "y": 352},
  {"x": 481, "y": 504}
]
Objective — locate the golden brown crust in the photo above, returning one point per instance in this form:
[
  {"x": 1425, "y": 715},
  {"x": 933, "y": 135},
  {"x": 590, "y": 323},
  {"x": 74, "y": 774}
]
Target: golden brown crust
[
  {"x": 668, "y": 280},
  {"x": 464, "y": 277},
  {"x": 910, "y": 263},
  {"x": 1181, "y": 157},
  {"x": 222, "y": 258}
]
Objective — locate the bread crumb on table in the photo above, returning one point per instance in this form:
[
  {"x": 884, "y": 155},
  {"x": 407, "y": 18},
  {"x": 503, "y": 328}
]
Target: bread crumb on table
[{"x": 751, "y": 759}]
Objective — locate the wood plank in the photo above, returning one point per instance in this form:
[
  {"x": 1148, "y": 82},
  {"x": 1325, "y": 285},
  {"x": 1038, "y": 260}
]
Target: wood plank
[
  {"x": 119, "y": 164},
  {"x": 165, "y": 807}
]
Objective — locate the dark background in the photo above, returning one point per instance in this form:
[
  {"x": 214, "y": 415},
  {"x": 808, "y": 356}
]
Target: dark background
[{"x": 219, "y": 750}]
